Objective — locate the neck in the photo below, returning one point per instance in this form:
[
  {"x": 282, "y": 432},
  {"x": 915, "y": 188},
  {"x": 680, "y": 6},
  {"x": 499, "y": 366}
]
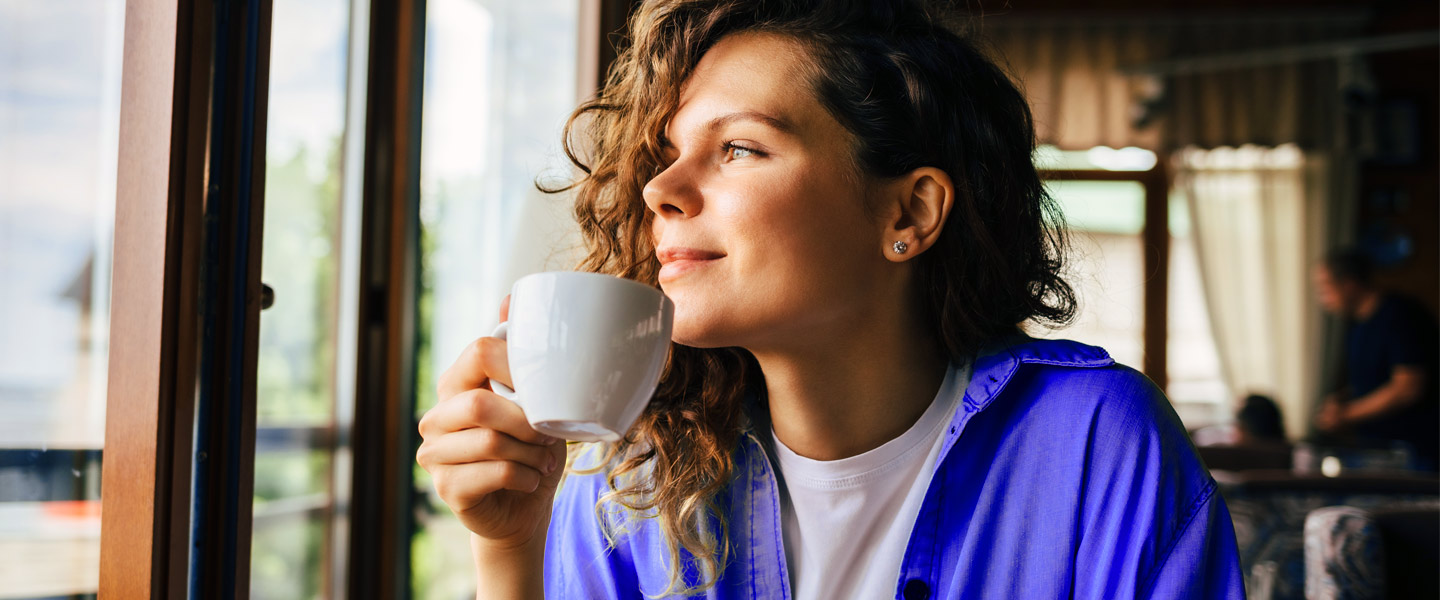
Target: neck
[
  {"x": 1366, "y": 305},
  {"x": 846, "y": 394}
]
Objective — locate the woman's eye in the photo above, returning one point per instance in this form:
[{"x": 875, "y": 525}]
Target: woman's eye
[{"x": 734, "y": 151}]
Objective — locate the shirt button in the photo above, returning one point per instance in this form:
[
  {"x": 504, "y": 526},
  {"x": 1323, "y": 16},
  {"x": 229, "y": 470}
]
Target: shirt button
[{"x": 916, "y": 589}]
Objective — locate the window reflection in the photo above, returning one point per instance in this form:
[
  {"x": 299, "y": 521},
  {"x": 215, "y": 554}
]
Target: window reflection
[{"x": 60, "y": 68}]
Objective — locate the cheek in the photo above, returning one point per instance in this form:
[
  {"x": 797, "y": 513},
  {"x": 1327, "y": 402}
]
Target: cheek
[
  {"x": 801, "y": 240},
  {"x": 799, "y": 251},
  {"x": 806, "y": 251}
]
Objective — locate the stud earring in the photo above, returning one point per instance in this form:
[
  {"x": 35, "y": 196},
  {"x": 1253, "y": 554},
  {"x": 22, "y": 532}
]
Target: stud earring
[{"x": 900, "y": 247}]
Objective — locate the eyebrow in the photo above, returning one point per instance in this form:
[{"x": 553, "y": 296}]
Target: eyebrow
[
  {"x": 750, "y": 115},
  {"x": 778, "y": 124}
]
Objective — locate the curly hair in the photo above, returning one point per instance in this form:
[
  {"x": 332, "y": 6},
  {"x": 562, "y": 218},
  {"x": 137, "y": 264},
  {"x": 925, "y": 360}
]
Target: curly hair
[{"x": 912, "y": 91}]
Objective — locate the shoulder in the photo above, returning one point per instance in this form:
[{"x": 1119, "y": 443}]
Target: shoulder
[
  {"x": 1117, "y": 426},
  {"x": 1405, "y": 329},
  {"x": 1139, "y": 483},
  {"x": 1085, "y": 410},
  {"x": 1403, "y": 311},
  {"x": 1070, "y": 379}
]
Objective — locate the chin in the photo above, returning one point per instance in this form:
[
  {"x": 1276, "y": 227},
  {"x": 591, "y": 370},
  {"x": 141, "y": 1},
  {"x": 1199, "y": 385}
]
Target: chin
[
  {"x": 702, "y": 328},
  {"x": 696, "y": 337}
]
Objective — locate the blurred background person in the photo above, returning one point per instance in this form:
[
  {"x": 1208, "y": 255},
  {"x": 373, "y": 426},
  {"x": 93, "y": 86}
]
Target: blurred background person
[
  {"x": 1390, "y": 389},
  {"x": 1259, "y": 422}
]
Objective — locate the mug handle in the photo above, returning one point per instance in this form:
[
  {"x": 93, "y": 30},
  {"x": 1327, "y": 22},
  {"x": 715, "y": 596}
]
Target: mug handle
[{"x": 504, "y": 391}]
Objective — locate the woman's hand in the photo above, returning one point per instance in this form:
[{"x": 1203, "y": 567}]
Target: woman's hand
[{"x": 489, "y": 466}]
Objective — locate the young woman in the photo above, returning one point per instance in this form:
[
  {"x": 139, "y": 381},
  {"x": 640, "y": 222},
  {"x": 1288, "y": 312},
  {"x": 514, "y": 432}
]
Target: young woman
[{"x": 840, "y": 199}]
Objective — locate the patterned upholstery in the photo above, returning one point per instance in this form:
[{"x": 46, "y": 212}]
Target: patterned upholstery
[
  {"x": 1269, "y": 509},
  {"x": 1385, "y": 552},
  {"x": 1344, "y": 557}
]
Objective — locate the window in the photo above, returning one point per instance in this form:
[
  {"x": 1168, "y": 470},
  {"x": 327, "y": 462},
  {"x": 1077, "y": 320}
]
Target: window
[
  {"x": 500, "y": 80},
  {"x": 1102, "y": 193},
  {"x": 60, "y": 66},
  {"x": 1196, "y": 384},
  {"x": 304, "y": 390},
  {"x": 1104, "y": 219},
  {"x": 166, "y": 179}
]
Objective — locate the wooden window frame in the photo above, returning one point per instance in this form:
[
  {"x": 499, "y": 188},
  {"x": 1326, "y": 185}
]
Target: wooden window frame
[
  {"x": 187, "y": 295},
  {"x": 1155, "y": 236},
  {"x": 382, "y": 441},
  {"x": 189, "y": 194}
]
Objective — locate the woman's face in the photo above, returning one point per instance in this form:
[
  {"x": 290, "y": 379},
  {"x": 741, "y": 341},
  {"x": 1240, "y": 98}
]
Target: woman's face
[{"x": 760, "y": 219}]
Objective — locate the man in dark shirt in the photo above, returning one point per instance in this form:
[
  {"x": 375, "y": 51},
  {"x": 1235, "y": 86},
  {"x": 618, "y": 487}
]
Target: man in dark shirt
[{"x": 1391, "y": 358}]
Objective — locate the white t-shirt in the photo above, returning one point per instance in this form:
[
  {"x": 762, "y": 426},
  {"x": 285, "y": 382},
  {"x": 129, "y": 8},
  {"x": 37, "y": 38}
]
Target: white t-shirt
[{"x": 846, "y": 522}]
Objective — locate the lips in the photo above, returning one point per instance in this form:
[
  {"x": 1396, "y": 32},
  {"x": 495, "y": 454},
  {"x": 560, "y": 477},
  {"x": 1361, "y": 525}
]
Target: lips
[
  {"x": 678, "y": 261},
  {"x": 672, "y": 254}
]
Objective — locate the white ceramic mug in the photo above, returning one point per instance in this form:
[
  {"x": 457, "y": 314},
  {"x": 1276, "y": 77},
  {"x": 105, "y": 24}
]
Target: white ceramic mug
[{"x": 586, "y": 352}]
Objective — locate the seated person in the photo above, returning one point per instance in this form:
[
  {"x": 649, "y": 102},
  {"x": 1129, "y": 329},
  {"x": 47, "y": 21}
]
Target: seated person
[{"x": 1259, "y": 422}]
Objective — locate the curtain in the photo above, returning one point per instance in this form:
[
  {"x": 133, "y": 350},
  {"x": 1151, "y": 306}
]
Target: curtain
[
  {"x": 1262, "y": 218},
  {"x": 1079, "y": 75},
  {"x": 1271, "y": 194}
]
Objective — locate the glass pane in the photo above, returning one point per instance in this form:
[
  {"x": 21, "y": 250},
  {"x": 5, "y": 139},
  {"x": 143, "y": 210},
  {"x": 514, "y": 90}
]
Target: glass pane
[
  {"x": 1106, "y": 265},
  {"x": 285, "y": 552},
  {"x": 60, "y": 68},
  {"x": 290, "y": 474},
  {"x": 302, "y": 201},
  {"x": 499, "y": 83},
  {"x": 292, "y": 504},
  {"x": 305, "y": 242}
]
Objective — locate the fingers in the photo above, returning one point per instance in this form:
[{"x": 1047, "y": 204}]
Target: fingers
[
  {"x": 462, "y": 486},
  {"x": 484, "y": 359},
  {"x": 477, "y": 445},
  {"x": 479, "y": 408}
]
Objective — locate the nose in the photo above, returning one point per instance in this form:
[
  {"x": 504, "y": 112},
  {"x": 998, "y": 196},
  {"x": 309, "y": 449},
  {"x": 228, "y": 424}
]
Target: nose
[{"x": 673, "y": 193}]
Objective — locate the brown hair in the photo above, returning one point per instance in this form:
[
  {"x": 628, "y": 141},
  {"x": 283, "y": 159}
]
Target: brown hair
[{"x": 912, "y": 93}]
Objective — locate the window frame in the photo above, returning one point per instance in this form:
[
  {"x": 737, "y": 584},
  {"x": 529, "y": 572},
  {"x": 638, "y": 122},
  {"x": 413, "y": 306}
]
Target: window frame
[
  {"x": 185, "y": 299},
  {"x": 1155, "y": 236},
  {"x": 187, "y": 294}
]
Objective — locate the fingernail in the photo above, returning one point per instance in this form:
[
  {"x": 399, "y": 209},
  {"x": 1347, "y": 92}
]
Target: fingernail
[
  {"x": 546, "y": 440},
  {"x": 549, "y": 463}
]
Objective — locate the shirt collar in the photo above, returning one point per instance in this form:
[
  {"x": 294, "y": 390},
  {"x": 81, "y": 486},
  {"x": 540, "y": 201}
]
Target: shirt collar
[{"x": 995, "y": 364}]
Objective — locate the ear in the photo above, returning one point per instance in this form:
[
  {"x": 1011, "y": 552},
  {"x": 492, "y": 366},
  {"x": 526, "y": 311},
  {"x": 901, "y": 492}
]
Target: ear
[{"x": 920, "y": 203}]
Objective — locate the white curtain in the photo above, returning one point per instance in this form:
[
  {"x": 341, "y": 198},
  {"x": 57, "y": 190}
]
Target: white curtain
[{"x": 1262, "y": 218}]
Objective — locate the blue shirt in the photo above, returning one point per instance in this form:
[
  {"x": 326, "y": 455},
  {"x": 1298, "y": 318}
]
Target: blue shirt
[{"x": 1062, "y": 475}]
